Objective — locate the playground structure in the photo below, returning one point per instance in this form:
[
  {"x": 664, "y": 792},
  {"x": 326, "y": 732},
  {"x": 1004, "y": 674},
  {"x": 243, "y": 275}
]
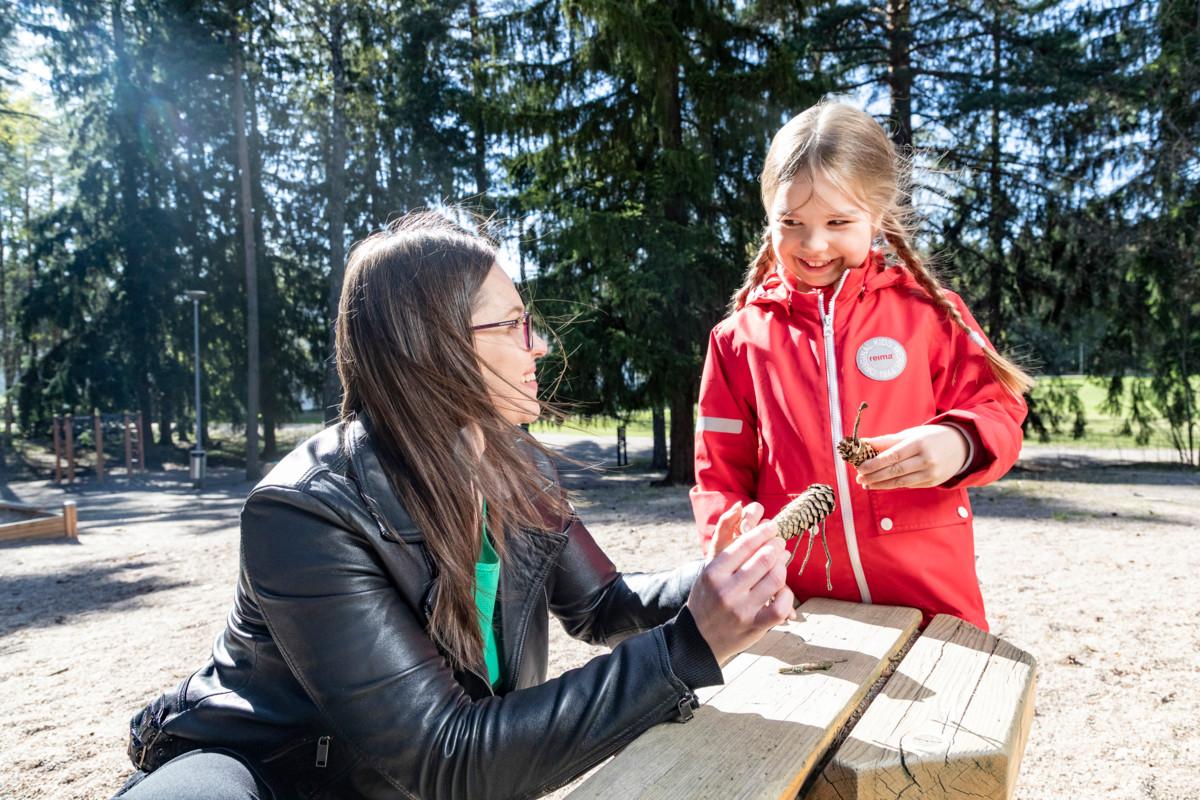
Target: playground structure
[
  {"x": 69, "y": 427},
  {"x": 37, "y": 523}
]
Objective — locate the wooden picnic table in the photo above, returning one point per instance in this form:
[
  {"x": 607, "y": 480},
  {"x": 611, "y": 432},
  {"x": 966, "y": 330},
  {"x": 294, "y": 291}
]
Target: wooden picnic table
[{"x": 882, "y": 710}]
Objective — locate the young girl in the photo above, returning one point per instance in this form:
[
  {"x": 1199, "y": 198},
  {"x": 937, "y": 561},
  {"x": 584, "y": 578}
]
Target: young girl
[
  {"x": 388, "y": 637},
  {"x": 839, "y": 309}
]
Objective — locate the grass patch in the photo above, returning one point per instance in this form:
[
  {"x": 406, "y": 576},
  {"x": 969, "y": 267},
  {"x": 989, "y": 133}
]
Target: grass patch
[{"x": 1101, "y": 430}]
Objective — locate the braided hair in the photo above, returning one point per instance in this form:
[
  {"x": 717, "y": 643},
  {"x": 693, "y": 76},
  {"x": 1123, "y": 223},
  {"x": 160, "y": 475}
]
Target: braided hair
[{"x": 851, "y": 150}]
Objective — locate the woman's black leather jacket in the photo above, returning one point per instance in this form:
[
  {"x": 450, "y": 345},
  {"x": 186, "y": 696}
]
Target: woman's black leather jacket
[{"x": 327, "y": 678}]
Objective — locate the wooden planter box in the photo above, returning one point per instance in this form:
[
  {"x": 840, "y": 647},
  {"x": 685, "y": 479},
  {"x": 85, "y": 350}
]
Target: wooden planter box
[{"x": 21, "y": 521}]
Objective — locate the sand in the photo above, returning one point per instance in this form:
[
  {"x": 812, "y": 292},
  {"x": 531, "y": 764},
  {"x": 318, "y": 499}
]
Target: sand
[{"x": 1091, "y": 566}]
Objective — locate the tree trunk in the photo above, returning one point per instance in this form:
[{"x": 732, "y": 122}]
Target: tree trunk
[
  {"x": 659, "y": 425},
  {"x": 682, "y": 469},
  {"x": 478, "y": 123},
  {"x": 335, "y": 172},
  {"x": 4, "y": 344},
  {"x": 899, "y": 35},
  {"x": 134, "y": 277},
  {"x": 165, "y": 415},
  {"x": 996, "y": 222},
  {"x": 270, "y": 385},
  {"x": 253, "y": 473}
]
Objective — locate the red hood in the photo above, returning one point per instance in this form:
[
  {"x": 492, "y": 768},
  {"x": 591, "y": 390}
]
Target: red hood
[{"x": 873, "y": 274}]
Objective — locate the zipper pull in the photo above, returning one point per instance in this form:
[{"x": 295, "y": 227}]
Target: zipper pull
[
  {"x": 685, "y": 706},
  {"x": 322, "y": 752}
]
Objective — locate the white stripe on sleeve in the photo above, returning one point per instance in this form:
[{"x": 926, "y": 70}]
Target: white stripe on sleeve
[{"x": 719, "y": 425}]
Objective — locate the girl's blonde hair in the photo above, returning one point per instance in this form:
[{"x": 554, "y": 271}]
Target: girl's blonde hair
[{"x": 850, "y": 150}]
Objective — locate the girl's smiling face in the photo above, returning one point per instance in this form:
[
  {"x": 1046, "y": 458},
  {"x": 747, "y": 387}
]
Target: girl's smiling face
[{"x": 818, "y": 232}]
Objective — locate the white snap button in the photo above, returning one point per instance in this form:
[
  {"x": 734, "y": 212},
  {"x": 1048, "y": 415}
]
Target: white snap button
[
  {"x": 962, "y": 511},
  {"x": 886, "y": 523}
]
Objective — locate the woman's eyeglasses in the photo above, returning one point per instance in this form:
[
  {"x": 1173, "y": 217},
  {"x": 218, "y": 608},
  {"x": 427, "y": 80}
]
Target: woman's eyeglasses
[{"x": 523, "y": 321}]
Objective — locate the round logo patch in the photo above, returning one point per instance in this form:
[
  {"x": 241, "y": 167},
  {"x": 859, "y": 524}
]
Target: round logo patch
[{"x": 881, "y": 358}]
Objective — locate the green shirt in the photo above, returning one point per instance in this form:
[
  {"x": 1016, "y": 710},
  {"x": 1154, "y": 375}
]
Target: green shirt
[{"x": 487, "y": 581}]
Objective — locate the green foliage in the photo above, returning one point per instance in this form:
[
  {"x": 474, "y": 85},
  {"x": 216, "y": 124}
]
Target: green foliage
[{"x": 1055, "y": 146}]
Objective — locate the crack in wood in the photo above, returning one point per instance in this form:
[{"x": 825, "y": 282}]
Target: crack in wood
[{"x": 842, "y": 734}]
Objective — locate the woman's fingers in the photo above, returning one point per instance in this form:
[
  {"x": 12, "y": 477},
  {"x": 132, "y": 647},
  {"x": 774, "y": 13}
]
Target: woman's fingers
[
  {"x": 726, "y": 530},
  {"x": 780, "y": 609},
  {"x": 736, "y": 599},
  {"x": 752, "y": 514}
]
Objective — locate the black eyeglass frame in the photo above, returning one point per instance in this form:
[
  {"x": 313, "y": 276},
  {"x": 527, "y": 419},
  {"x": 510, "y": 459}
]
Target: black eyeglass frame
[{"x": 523, "y": 321}]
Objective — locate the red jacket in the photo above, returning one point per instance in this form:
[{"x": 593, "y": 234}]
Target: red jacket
[{"x": 772, "y": 412}]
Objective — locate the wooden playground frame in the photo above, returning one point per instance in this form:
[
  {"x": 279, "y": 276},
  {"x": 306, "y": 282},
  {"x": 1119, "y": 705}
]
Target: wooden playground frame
[
  {"x": 132, "y": 431},
  {"x": 42, "y": 524}
]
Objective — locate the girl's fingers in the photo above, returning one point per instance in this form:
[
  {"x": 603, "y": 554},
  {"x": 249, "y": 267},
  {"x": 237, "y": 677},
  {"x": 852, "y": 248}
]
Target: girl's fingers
[{"x": 898, "y": 473}]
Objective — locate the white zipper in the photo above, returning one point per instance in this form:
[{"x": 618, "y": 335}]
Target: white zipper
[{"x": 835, "y": 424}]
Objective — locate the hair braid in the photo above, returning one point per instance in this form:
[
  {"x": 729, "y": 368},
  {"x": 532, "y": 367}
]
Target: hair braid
[
  {"x": 1011, "y": 376},
  {"x": 762, "y": 262}
]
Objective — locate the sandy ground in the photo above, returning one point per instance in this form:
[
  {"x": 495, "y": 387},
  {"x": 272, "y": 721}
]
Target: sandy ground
[{"x": 1090, "y": 566}]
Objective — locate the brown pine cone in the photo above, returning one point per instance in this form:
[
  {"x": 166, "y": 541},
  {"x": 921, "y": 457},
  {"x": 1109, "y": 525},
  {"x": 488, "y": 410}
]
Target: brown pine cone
[
  {"x": 805, "y": 511},
  {"x": 851, "y": 448}
]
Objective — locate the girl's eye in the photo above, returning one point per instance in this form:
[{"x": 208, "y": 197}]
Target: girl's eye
[
  {"x": 839, "y": 222},
  {"x": 789, "y": 223}
]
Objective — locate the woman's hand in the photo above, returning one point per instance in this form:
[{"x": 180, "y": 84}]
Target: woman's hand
[
  {"x": 916, "y": 458},
  {"x": 734, "y": 522},
  {"x": 742, "y": 592}
]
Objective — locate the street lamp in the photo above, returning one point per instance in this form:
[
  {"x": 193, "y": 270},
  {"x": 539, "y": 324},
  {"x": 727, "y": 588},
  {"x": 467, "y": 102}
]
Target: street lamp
[{"x": 198, "y": 458}]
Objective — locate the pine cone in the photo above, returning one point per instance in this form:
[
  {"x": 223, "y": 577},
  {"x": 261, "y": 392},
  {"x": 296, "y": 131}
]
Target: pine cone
[
  {"x": 806, "y": 511},
  {"x": 855, "y": 451},
  {"x": 851, "y": 448}
]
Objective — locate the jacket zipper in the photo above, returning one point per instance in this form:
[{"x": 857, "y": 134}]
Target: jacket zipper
[{"x": 835, "y": 424}]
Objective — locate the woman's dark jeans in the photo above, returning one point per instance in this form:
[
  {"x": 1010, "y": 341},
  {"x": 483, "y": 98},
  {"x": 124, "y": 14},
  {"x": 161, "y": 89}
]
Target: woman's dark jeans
[{"x": 205, "y": 774}]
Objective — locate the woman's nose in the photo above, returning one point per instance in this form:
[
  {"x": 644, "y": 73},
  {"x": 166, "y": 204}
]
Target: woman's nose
[{"x": 539, "y": 346}]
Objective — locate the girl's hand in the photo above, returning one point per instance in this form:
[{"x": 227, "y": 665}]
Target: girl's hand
[
  {"x": 742, "y": 593},
  {"x": 916, "y": 458},
  {"x": 735, "y": 521}
]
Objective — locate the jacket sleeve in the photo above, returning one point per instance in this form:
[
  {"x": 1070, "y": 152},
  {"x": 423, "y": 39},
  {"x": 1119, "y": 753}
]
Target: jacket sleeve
[
  {"x": 602, "y": 606},
  {"x": 726, "y": 436},
  {"x": 968, "y": 394},
  {"x": 364, "y": 658}
]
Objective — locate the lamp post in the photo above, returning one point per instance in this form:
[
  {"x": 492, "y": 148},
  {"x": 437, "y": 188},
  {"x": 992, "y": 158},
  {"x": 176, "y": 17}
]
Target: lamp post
[{"x": 198, "y": 460}]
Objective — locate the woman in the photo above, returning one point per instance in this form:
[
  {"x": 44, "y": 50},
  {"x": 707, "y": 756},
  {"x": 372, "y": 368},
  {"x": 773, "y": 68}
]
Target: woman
[{"x": 389, "y": 634}]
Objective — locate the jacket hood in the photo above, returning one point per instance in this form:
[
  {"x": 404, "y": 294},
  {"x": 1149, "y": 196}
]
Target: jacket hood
[{"x": 874, "y": 274}]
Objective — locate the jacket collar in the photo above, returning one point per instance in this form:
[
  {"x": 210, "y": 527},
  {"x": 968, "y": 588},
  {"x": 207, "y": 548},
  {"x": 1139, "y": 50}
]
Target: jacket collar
[
  {"x": 381, "y": 500},
  {"x": 781, "y": 289}
]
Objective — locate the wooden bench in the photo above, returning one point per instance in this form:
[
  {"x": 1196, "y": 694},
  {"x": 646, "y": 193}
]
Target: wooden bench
[{"x": 942, "y": 713}]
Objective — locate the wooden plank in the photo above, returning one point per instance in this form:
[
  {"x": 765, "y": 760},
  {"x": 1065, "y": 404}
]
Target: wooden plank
[
  {"x": 951, "y": 722},
  {"x": 70, "y": 517},
  {"x": 24, "y": 507},
  {"x": 38, "y": 528},
  {"x": 762, "y": 733}
]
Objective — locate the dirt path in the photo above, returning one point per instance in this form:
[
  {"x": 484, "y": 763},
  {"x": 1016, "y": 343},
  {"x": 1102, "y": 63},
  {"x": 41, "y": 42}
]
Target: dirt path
[{"x": 1093, "y": 570}]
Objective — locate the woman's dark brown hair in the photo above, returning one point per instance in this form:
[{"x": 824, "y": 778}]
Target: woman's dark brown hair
[{"x": 407, "y": 361}]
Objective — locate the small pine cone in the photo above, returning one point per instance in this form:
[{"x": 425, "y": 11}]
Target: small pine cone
[
  {"x": 855, "y": 451},
  {"x": 806, "y": 511}
]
